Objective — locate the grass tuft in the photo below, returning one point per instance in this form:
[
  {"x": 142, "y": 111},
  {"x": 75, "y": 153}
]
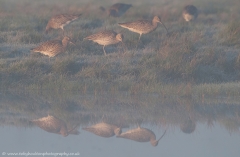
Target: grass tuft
[
  {"x": 231, "y": 34},
  {"x": 65, "y": 66}
]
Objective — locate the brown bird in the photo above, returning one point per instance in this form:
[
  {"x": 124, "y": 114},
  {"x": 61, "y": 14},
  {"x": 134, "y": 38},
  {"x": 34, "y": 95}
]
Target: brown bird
[
  {"x": 142, "y": 26},
  {"x": 60, "y": 21},
  {"x": 106, "y": 38},
  {"x": 53, "y": 47},
  {"x": 117, "y": 9},
  {"x": 104, "y": 129},
  {"x": 54, "y": 125},
  {"x": 190, "y": 13},
  {"x": 141, "y": 135}
]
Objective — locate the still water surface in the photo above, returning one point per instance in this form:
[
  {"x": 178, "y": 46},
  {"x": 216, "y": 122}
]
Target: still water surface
[{"x": 193, "y": 128}]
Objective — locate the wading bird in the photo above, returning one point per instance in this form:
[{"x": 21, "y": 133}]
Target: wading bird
[
  {"x": 106, "y": 38},
  {"x": 117, "y": 9},
  {"x": 190, "y": 13},
  {"x": 143, "y": 26},
  {"x": 104, "y": 129},
  {"x": 60, "y": 21},
  {"x": 54, "y": 125},
  {"x": 141, "y": 135},
  {"x": 53, "y": 47}
]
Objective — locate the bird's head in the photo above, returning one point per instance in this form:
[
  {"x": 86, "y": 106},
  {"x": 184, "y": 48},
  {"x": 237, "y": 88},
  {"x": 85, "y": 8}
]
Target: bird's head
[
  {"x": 118, "y": 131},
  {"x": 120, "y": 37},
  {"x": 67, "y": 40},
  {"x": 64, "y": 132},
  {"x": 158, "y": 19},
  {"x": 154, "y": 143}
]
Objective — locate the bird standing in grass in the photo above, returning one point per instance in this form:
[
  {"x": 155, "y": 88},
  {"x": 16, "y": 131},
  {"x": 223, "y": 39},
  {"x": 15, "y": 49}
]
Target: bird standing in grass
[
  {"x": 59, "y": 21},
  {"x": 143, "y": 26},
  {"x": 53, "y": 47},
  {"x": 117, "y": 10},
  {"x": 54, "y": 125},
  {"x": 106, "y": 38},
  {"x": 141, "y": 135},
  {"x": 190, "y": 13}
]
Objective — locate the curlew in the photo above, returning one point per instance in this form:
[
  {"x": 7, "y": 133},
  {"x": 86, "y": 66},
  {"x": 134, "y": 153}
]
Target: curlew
[
  {"x": 104, "y": 129},
  {"x": 143, "y": 26},
  {"x": 117, "y": 9},
  {"x": 60, "y": 21},
  {"x": 106, "y": 38},
  {"x": 190, "y": 13},
  {"x": 53, "y": 47},
  {"x": 54, "y": 125},
  {"x": 141, "y": 135}
]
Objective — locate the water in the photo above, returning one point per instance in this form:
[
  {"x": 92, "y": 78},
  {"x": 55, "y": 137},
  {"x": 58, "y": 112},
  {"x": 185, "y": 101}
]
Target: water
[{"x": 193, "y": 127}]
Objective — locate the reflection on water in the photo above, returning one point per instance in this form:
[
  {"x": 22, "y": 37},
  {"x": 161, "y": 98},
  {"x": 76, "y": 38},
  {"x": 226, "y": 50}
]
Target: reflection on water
[
  {"x": 104, "y": 129},
  {"x": 64, "y": 114},
  {"x": 54, "y": 125},
  {"x": 188, "y": 126},
  {"x": 141, "y": 135}
]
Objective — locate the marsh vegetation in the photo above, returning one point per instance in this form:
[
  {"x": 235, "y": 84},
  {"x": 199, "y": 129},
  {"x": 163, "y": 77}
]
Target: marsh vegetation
[{"x": 194, "y": 59}]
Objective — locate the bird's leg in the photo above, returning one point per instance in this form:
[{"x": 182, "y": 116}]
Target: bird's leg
[
  {"x": 138, "y": 40},
  {"x": 139, "y": 37},
  {"x": 124, "y": 47},
  {"x": 104, "y": 50},
  {"x": 103, "y": 118},
  {"x": 62, "y": 31}
]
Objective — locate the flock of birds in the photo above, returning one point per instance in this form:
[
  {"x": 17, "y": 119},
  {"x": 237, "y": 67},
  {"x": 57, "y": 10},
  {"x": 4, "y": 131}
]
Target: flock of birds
[
  {"x": 108, "y": 37},
  {"x": 55, "y": 125}
]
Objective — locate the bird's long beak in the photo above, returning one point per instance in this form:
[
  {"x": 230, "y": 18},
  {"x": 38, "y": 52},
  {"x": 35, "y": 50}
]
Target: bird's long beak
[
  {"x": 161, "y": 136},
  {"x": 69, "y": 131},
  {"x": 164, "y": 26},
  {"x": 72, "y": 43}
]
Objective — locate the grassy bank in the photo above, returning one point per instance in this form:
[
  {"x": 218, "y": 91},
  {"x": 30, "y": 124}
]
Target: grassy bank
[{"x": 199, "y": 58}]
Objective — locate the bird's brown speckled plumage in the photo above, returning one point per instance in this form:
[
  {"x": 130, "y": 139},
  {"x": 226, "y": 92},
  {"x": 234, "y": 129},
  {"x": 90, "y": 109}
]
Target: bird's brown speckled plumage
[
  {"x": 53, "y": 47},
  {"x": 104, "y": 129},
  {"x": 105, "y": 38},
  {"x": 142, "y": 26},
  {"x": 54, "y": 125},
  {"x": 59, "y": 21},
  {"x": 190, "y": 13},
  {"x": 141, "y": 135}
]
